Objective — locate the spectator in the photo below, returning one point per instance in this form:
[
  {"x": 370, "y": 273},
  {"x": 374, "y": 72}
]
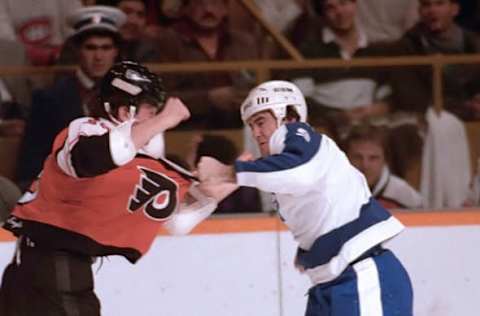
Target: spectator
[
  {"x": 135, "y": 10},
  {"x": 473, "y": 197},
  {"x": 244, "y": 199},
  {"x": 435, "y": 33},
  {"x": 12, "y": 120},
  {"x": 386, "y": 21},
  {"x": 15, "y": 88},
  {"x": 300, "y": 28},
  {"x": 366, "y": 147},
  {"x": 38, "y": 25},
  {"x": 97, "y": 41},
  {"x": 138, "y": 45},
  {"x": 202, "y": 35},
  {"x": 469, "y": 16},
  {"x": 341, "y": 95},
  {"x": 9, "y": 194},
  {"x": 14, "y": 91},
  {"x": 281, "y": 13}
]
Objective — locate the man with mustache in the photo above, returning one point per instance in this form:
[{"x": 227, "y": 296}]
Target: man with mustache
[
  {"x": 202, "y": 34},
  {"x": 138, "y": 44}
]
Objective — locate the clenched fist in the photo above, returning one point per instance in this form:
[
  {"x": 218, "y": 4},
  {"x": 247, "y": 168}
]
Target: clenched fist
[
  {"x": 174, "y": 112},
  {"x": 212, "y": 171}
]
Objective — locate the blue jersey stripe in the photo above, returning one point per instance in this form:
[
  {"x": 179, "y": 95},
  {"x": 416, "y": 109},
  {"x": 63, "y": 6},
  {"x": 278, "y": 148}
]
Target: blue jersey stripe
[
  {"x": 396, "y": 295},
  {"x": 320, "y": 296},
  {"x": 397, "y": 292},
  {"x": 329, "y": 245},
  {"x": 298, "y": 150}
]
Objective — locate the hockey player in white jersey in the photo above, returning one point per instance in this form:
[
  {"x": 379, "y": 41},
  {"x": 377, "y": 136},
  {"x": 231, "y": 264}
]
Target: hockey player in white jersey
[{"x": 326, "y": 204}]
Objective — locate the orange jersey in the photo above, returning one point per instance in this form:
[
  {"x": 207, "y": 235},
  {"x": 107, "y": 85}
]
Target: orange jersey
[{"x": 118, "y": 212}]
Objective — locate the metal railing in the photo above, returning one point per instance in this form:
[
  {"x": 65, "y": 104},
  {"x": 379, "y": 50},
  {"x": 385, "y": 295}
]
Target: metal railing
[{"x": 263, "y": 68}]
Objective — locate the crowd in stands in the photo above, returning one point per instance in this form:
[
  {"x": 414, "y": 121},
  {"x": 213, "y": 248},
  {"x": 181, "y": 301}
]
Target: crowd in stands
[{"x": 378, "y": 113}]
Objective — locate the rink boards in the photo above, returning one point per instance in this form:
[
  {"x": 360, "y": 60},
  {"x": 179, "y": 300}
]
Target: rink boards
[{"x": 244, "y": 266}]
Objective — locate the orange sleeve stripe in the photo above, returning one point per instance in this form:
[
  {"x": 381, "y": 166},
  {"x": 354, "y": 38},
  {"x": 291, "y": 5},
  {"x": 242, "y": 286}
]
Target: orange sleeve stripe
[{"x": 266, "y": 223}]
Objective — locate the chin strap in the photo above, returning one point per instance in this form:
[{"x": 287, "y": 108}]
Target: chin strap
[{"x": 108, "y": 108}]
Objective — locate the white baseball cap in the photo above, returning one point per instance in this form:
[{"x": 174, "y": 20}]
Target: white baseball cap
[{"x": 96, "y": 17}]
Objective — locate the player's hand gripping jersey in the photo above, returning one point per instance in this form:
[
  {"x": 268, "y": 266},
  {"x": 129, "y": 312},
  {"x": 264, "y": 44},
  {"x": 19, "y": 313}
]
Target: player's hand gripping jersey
[
  {"x": 97, "y": 196},
  {"x": 333, "y": 219}
]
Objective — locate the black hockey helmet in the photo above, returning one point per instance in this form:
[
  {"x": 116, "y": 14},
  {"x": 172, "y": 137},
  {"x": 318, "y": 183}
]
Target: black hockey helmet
[{"x": 129, "y": 83}]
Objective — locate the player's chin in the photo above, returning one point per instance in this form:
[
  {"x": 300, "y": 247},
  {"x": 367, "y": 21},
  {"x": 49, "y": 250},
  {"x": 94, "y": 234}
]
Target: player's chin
[{"x": 264, "y": 150}]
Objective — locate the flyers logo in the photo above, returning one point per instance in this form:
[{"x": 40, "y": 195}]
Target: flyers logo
[{"x": 156, "y": 194}]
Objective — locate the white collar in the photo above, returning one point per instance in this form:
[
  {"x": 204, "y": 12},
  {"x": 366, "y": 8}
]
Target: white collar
[
  {"x": 84, "y": 79},
  {"x": 5, "y": 95},
  {"x": 382, "y": 182},
  {"x": 329, "y": 36}
]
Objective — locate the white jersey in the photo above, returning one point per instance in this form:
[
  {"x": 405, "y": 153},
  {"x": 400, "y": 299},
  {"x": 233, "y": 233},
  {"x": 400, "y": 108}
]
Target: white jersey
[
  {"x": 396, "y": 191},
  {"x": 322, "y": 198}
]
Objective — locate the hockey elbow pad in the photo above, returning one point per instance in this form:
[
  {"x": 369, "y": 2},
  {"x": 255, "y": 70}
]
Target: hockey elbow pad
[
  {"x": 122, "y": 147},
  {"x": 155, "y": 147}
]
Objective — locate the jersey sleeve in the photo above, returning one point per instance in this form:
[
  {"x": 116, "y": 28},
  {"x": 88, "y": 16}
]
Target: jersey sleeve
[
  {"x": 194, "y": 208},
  {"x": 294, "y": 163},
  {"x": 94, "y": 146}
]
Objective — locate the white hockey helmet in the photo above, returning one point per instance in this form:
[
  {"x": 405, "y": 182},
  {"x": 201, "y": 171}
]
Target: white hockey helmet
[{"x": 275, "y": 95}]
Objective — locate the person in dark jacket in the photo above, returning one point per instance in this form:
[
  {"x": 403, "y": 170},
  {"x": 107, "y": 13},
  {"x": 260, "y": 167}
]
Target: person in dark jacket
[
  {"x": 435, "y": 33},
  {"x": 97, "y": 42}
]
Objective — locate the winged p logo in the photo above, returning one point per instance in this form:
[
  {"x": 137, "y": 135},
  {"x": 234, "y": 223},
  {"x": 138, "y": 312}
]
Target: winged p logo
[{"x": 155, "y": 193}]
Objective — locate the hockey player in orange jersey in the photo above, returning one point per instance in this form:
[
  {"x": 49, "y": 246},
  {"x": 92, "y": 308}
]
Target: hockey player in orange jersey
[{"x": 104, "y": 190}]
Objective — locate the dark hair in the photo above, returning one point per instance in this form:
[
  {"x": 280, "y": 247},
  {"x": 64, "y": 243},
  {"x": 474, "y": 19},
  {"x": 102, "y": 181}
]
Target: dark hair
[
  {"x": 218, "y": 147},
  {"x": 318, "y": 6},
  {"x": 292, "y": 113},
  {"x": 368, "y": 133}
]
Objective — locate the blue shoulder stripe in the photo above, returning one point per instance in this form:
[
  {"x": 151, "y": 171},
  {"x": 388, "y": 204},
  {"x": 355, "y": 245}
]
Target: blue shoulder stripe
[{"x": 301, "y": 144}]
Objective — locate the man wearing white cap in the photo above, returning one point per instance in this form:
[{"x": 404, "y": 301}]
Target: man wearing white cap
[{"x": 97, "y": 41}]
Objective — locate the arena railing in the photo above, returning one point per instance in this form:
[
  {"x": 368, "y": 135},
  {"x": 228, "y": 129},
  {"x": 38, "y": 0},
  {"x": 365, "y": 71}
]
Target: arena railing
[{"x": 263, "y": 68}]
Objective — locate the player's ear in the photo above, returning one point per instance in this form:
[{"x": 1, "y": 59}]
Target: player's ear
[{"x": 290, "y": 119}]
